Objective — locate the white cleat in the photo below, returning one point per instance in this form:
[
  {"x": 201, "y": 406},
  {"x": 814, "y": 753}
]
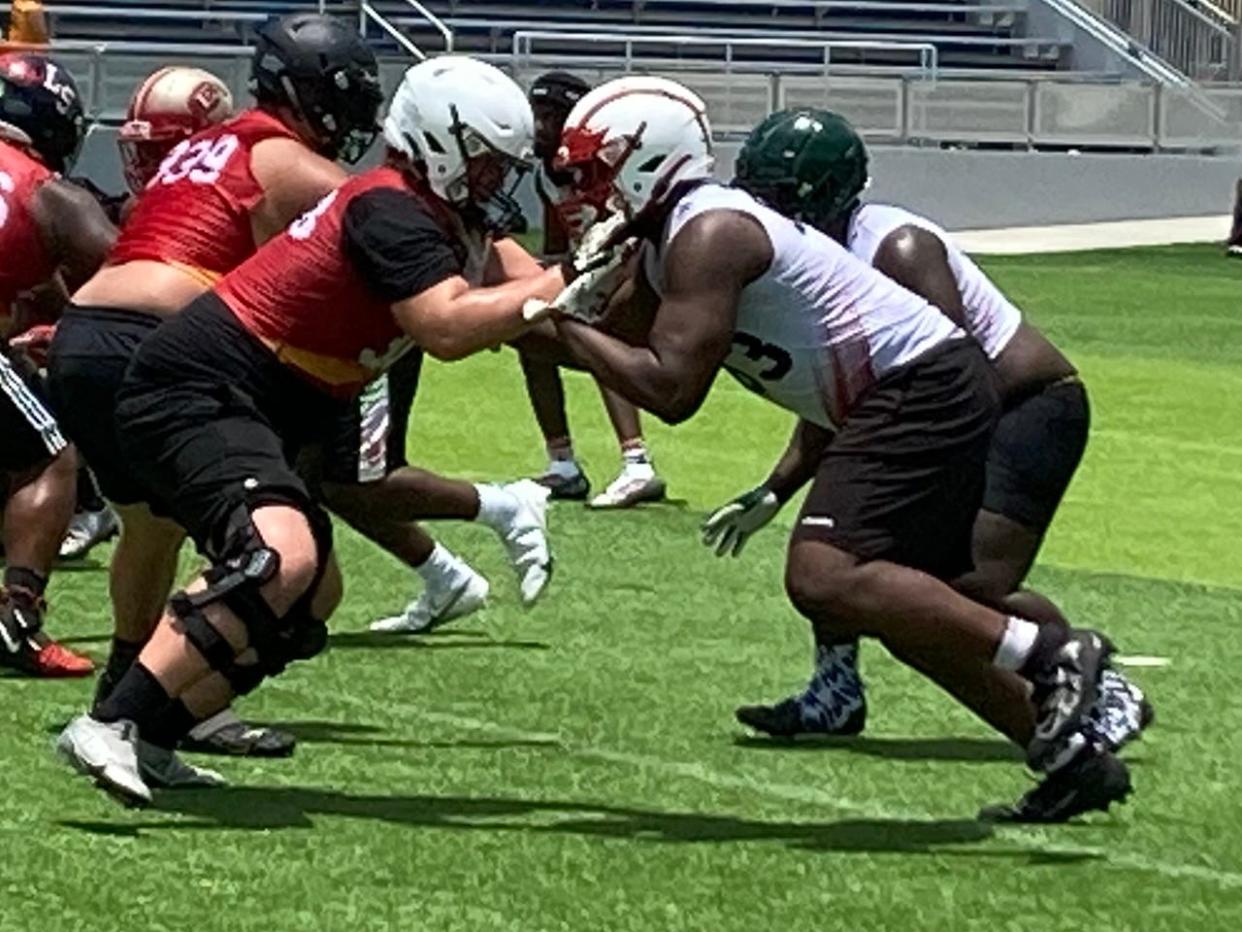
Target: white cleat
[
  {"x": 87, "y": 529},
  {"x": 107, "y": 751},
  {"x": 162, "y": 768},
  {"x": 526, "y": 538},
  {"x": 438, "y": 605},
  {"x": 637, "y": 483}
]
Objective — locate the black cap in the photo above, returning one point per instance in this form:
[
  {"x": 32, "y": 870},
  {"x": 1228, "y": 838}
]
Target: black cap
[{"x": 558, "y": 88}]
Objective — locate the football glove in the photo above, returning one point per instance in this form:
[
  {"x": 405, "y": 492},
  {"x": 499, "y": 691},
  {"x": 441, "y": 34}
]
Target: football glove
[
  {"x": 590, "y": 252},
  {"x": 586, "y": 297},
  {"x": 730, "y": 526}
]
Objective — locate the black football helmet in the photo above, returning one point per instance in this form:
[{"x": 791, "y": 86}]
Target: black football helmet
[
  {"x": 326, "y": 74},
  {"x": 40, "y": 106}
]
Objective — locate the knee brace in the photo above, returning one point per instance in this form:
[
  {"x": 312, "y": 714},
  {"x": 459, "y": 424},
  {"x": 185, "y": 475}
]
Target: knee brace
[
  {"x": 235, "y": 583},
  {"x": 243, "y": 564}
]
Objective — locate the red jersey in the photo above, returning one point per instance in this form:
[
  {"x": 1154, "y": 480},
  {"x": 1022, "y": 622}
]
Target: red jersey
[
  {"x": 24, "y": 260},
  {"x": 321, "y": 294},
  {"x": 195, "y": 213}
]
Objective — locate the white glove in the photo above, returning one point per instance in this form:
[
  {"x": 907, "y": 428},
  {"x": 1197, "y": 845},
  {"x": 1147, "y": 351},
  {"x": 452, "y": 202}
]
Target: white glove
[
  {"x": 589, "y": 253},
  {"x": 730, "y": 526},
  {"x": 586, "y": 297}
]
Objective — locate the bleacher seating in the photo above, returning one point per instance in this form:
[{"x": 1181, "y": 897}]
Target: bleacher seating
[{"x": 970, "y": 34}]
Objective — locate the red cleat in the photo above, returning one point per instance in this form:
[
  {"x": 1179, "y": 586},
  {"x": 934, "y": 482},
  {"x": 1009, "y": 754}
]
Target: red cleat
[
  {"x": 25, "y": 647},
  {"x": 55, "y": 661}
]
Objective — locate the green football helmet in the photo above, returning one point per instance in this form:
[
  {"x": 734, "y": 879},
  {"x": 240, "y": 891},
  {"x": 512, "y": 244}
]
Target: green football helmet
[{"x": 808, "y": 164}]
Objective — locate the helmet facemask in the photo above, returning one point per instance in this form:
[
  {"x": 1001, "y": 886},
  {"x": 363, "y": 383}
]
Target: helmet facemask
[
  {"x": 348, "y": 138},
  {"x": 594, "y": 167},
  {"x": 485, "y": 190}
]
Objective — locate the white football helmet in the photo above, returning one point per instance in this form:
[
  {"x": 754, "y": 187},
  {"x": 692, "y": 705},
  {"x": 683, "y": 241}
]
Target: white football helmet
[
  {"x": 172, "y": 104},
  {"x": 629, "y": 142},
  {"x": 472, "y": 129}
]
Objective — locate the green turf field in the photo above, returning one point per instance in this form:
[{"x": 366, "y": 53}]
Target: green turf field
[{"x": 577, "y": 767}]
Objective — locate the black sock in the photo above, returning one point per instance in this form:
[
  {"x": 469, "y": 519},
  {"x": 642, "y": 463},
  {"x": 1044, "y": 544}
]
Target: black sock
[
  {"x": 89, "y": 498},
  {"x": 171, "y": 725},
  {"x": 123, "y": 655},
  {"x": 138, "y": 697},
  {"x": 22, "y": 577},
  {"x": 1048, "y": 641}
]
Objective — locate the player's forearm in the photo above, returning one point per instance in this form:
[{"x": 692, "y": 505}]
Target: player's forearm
[
  {"x": 798, "y": 463},
  {"x": 635, "y": 372},
  {"x": 481, "y": 318}
]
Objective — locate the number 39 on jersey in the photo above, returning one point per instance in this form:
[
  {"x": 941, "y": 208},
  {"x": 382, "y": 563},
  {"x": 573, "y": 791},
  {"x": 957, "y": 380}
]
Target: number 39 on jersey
[{"x": 199, "y": 161}]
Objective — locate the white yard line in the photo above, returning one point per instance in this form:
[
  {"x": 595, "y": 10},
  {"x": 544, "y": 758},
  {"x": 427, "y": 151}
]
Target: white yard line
[{"x": 1111, "y": 235}]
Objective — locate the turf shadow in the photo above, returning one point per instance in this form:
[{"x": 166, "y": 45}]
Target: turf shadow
[
  {"x": 364, "y": 640},
  {"x": 353, "y": 734},
  {"x": 278, "y": 808},
  {"x": 955, "y": 750}
]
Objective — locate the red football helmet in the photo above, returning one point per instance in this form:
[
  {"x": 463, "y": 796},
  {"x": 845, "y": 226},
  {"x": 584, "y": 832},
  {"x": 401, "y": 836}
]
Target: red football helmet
[{"x": 170, "y": 105}]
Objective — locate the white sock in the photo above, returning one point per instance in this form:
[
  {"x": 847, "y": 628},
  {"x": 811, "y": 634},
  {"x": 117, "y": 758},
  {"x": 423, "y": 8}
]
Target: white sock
[
  {"x": 1016, "y": 643},
  {"x": 496, "y": 506},
  {"x": 564, "y": 469},
  {"x": 441, "y": 566},
  {"x": 634, "y": 452}
]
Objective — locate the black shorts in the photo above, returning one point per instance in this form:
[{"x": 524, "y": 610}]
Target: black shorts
[
  {"x": 30, "y": 433},
  {"x": 210, "y": 420},
  {"x": 1037, "y": 447},
  {"x": 903, "y": 478},
  {"x": 367, "y": 441},
  {"x": 86, "y": 364}
]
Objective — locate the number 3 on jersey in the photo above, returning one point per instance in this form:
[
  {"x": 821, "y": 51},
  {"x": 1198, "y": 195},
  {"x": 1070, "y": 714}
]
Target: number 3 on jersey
[
  {"x": 304, "y": 226},
  {"x": 199, "y": 161}
]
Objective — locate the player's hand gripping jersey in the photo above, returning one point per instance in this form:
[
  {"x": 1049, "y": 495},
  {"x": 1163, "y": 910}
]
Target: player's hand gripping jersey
[
  {"x": 195, "y": 213},
  {"x": 819, "y": 327},
  {"x": 320, "y": 295},
  {"x": 24, "y": 260}
]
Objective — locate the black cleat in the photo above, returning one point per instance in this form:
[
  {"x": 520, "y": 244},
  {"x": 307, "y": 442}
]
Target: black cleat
[
  {"x": 787, "y": 720},
  {"x": 1092, "y": 783},
  {"x": 237, "y": 739},
  {"x": 1120, "y": 714},
  {"x": 1065, "y": 689},
  {"x": 573, "y": 488}
]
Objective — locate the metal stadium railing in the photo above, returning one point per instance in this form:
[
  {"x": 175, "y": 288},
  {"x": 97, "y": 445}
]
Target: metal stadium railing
[
  {"x": 1037, "y": 110},
  {"x": 1194, "y": 42},
  {"x": 367, "y": 13},
  {"x": 923, "y": 55}
]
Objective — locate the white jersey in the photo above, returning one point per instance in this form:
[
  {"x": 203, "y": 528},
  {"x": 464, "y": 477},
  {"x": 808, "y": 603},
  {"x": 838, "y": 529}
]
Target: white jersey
[
  {"x": 991, "y": 318},
  {"x": 819, "y": 327}
]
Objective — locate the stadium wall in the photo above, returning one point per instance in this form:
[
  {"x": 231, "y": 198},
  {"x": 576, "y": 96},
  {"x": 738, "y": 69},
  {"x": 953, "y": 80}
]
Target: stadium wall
[{"x": 968, "y": 189}]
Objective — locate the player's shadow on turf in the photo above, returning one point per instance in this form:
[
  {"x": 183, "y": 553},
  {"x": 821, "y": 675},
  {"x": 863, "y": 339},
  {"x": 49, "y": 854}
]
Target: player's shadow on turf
[
  {"x": 454, "y": 640},
  {"x": 349, "y": 733},
  {"x": 955, "y": 750},
  {"x": 274, "y": 808}
]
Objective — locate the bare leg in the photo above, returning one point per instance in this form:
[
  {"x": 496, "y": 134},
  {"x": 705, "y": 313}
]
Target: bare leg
[
  {"x": 38, "y": 512},
  {"x": 170, "y": 665},
  {"x": 922, "y": 621},
  {"x": 623, "y": 415},
  {"x": 144, "y": 567},
  {"x": 547, "y": 398},
  {"x": 386, "y": 511},
  {"x": 1004, "y": 551}
]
